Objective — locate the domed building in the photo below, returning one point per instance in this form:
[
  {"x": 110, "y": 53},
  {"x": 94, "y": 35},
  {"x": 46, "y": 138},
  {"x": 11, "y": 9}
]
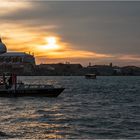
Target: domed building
[
  {"x": 3, "y": 48},
  {"x": 15, "y": 60}
]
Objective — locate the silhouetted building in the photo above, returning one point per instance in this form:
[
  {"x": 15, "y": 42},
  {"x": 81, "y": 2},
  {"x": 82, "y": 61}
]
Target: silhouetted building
[
  {"x": 59, "y": 69},
  {"x": 15, "y": 61}
]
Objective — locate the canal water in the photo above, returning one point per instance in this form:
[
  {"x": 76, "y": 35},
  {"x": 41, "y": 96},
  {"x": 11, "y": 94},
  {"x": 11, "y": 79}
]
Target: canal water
[{"x": 108, "y": 107}]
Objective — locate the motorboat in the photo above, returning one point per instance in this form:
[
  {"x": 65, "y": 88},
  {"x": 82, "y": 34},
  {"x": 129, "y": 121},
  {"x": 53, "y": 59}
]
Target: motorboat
[
  {"x": 19, "y": 89},
  {"x": 90, "y": 76}
]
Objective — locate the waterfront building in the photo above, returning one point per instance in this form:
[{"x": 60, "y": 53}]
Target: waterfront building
[{"x": 15, "y": 61}]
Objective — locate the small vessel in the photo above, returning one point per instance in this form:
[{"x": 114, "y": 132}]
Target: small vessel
[
  {"x": 14, "y": 89},
  {"x": 90, "y": 76}
]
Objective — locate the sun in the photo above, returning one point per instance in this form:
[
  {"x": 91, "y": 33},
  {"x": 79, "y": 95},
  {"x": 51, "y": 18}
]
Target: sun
[
  {"x": 51, "y": 43},
  {"x": 51, "y": 40}
]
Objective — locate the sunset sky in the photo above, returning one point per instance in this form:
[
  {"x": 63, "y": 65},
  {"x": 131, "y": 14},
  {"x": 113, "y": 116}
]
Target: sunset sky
[{"x": 78, "y": 32}]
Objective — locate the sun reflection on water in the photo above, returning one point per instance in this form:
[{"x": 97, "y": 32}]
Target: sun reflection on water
[{"x": 31, "y": 123}]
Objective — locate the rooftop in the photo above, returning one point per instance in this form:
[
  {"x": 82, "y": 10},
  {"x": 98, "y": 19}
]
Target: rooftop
[{"x": 15, "y": 54}]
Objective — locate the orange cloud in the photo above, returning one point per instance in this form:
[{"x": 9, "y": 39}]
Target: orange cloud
[
  {"x": 130, "y": 58},
  {"x": 20, "y": 37},
  {"x": 69, "y": 53}
]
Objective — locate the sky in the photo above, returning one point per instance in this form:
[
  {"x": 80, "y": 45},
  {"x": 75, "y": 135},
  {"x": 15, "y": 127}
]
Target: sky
[{"x": 99, "y": 32}]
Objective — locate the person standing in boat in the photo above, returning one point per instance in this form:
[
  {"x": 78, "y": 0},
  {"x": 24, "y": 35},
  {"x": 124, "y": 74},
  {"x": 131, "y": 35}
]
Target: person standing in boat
[{"x": 4, "y": 80}]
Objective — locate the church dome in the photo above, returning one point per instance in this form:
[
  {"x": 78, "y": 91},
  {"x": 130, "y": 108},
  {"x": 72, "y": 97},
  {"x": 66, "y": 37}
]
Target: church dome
[{"x": 3, "y": 48}]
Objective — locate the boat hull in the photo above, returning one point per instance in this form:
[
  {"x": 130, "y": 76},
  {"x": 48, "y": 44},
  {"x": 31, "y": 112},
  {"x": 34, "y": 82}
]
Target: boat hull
[
  {"x": 90, "y": 76},
  {"x": 54, "y": 92}
]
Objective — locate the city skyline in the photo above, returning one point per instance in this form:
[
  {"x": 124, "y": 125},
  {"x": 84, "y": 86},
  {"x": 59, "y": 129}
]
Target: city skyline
[{"x": 79, "y": 32}]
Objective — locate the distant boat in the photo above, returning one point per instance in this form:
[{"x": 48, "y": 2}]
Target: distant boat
[
  {"x": 90, "y": 76},
  {"x": 21, "y": 89}
]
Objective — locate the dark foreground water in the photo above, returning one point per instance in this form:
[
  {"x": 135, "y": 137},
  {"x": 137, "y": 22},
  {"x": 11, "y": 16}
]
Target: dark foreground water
[{"x": 108, "y": 107}]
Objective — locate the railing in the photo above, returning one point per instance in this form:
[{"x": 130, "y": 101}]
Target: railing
[{"x": 26, "y": 86}]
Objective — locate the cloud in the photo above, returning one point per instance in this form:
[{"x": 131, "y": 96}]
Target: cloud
[
  {"x": 8, "y": 6},
  {"x": 27, "y": 39},
  {"x": 73, "y": 56},
  {"x": 130, "y": 58},
  {"x": 89, "y": 28}
]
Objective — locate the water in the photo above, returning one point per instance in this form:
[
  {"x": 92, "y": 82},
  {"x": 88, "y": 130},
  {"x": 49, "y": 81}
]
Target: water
[{"x": 108, "y": 107}]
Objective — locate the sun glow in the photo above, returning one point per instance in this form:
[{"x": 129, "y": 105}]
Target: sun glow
[
  {"x": 51, "y": 40},
  {"x": 51, "y": 44}
]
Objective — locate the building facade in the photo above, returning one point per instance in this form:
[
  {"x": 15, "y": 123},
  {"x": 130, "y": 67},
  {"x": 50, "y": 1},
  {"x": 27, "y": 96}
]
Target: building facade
[{"x": 15, "y": 61}]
